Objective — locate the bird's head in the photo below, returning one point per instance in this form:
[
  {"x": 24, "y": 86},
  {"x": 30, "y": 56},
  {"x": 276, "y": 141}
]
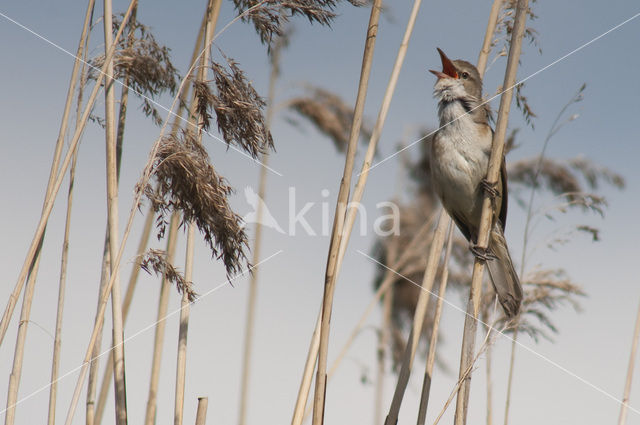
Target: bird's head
[{"x": 458, "y": 80}]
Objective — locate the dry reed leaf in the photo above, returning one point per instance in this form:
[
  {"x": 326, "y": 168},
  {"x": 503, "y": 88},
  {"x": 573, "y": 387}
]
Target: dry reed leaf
[
  {"x": 186, "y": 181},
  {"x": 155, "y": 260}
]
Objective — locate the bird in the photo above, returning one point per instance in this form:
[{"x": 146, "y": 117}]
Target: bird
[{"x": 459, "y": 160}]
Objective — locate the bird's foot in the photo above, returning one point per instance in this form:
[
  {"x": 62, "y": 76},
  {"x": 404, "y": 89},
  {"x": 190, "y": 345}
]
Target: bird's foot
[
  {"x": 482, "y": 253},
  {"x": 490, "y": 188}
]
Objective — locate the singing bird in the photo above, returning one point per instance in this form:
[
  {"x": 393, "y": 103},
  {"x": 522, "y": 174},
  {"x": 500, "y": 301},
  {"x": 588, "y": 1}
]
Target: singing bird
[{"x": 459, "y": 161}]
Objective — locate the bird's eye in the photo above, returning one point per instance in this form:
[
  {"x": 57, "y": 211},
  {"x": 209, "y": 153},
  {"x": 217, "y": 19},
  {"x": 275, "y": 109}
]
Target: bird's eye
[{"x": 465, "y": 75}]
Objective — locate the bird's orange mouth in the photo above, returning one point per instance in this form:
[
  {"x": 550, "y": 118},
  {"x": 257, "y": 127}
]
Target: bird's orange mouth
[{"x": 448, "y": 70}]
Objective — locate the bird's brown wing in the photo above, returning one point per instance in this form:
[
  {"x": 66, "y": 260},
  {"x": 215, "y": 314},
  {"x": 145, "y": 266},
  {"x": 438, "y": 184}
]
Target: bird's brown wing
[
  {"x": 470, "y": 234},
  {"x": 502, "y": 216}
]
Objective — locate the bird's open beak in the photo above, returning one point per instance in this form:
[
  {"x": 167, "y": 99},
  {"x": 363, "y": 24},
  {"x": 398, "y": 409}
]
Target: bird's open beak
[{"x": 448, "y": 70}]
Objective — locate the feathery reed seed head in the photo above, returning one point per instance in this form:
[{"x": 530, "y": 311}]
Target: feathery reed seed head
[{"x": 187, "y": 181}]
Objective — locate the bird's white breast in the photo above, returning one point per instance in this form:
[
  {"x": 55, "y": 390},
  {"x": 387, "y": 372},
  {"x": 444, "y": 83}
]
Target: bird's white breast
[{"x": 460, "y": 154}]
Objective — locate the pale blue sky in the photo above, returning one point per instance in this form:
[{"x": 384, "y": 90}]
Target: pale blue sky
[{"x": 593, "y": 344}]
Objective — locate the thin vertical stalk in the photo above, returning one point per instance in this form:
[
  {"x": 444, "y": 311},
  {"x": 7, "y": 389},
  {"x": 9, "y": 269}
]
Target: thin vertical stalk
[
  {"x": 305, "y": 385},
  {"x": 344, "y": 219},
  {"x": 488, "y": 363},
  {"x": 106, "y": 253},
  {"x": 181, "y": 369},
  {"x": 383, "y": 343},
  {"x": 418, "y": 317},
  {"x": 383, "y": 289},
  {"x": 497, "y": 152},
  {"x": 92, "y": 381},
  {"x": 163, "y": 301},
  {"x": 76, "y": 137},
  {"x": 377, "y": 130},
  {"x": 431, "y": 357},
  {"x": 212, "y": 13},
  {"x": 18, "y": 356},
  {"x": 96, "y": 415},
  {"x": 201, "y": 414},
  {"x": 624, "y": 406},
  {"x": 65, "y": 246},
  {"x": 65, "y": 251},
  {"x": 163, "y": 306},
  {"x": 29, "y": 267},
  {"x": 146, "y": 175},
  {"x": 253, "y": 282},
  {"x": 483, "y": 57},
  {"x": 119, "y": 375},
  {"x": 421, "y": 237},
  {"x": 57, "y": 342},
  {"x": 50, "y": 198},
  {"x": 512, "y": 362},
  {"x": 339, "y": 216}
]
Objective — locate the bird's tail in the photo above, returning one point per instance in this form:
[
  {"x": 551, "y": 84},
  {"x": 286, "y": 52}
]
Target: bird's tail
[{"x": 503, "y": 275}]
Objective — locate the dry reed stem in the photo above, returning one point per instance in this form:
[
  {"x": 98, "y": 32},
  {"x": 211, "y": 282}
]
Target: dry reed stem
[
  {"x": 32, "y": 267},
  {"x": 61, "y": 296},
  {"x": 201, "y": 414},
  {"x": 106, "y": 255},
  {"x": 163, "y": 301},
  {"x": 79, "y": 129},
  {"x": 624, "y": 406},
  {"x": 483, "y": 57},
  {"x": 431, "y": 357},
  {"x": 158, "y": 341},
  {"x": 212, "y": 13},
  {"x": 377, "y": 131},
  {"x": 119, "y": 375},
  {"x": 57, "y": 342},
  {"x": 251, "y": 300},
  {"x": 253, "y": 280},
  {"x": 497, "y": 152},
  {"x": 18, "y": 356},
  {"x": 512, "y": 364},
  {"x": 489, "y": 388},
  {"x": 50, "y": 198},
  {"x": 299, "y": 413},
  {"x": 467, "y": 372},
  {"x": 146, "y": 175},
  {"x": 420, "y": 237},
  {"x": 51, "y": 418},
  {"x": 418, "y": 318},
  {"x": 181, "y": 368},
  {"x": 384, "y": 334},
  {"x": 382, "y": 351},
  {"x": 339, "y": 217},
  {"x": 14, "y": 379},
  {"x": 155, "y": 82},
  {"x": 92, "y": 381},
  {"x": 126, "y": 305}
]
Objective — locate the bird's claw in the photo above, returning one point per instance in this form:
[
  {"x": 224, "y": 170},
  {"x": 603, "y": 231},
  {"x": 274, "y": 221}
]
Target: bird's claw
[
  {"x": 482, "y": 253},
  {"x": 490, "y": 188}
]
